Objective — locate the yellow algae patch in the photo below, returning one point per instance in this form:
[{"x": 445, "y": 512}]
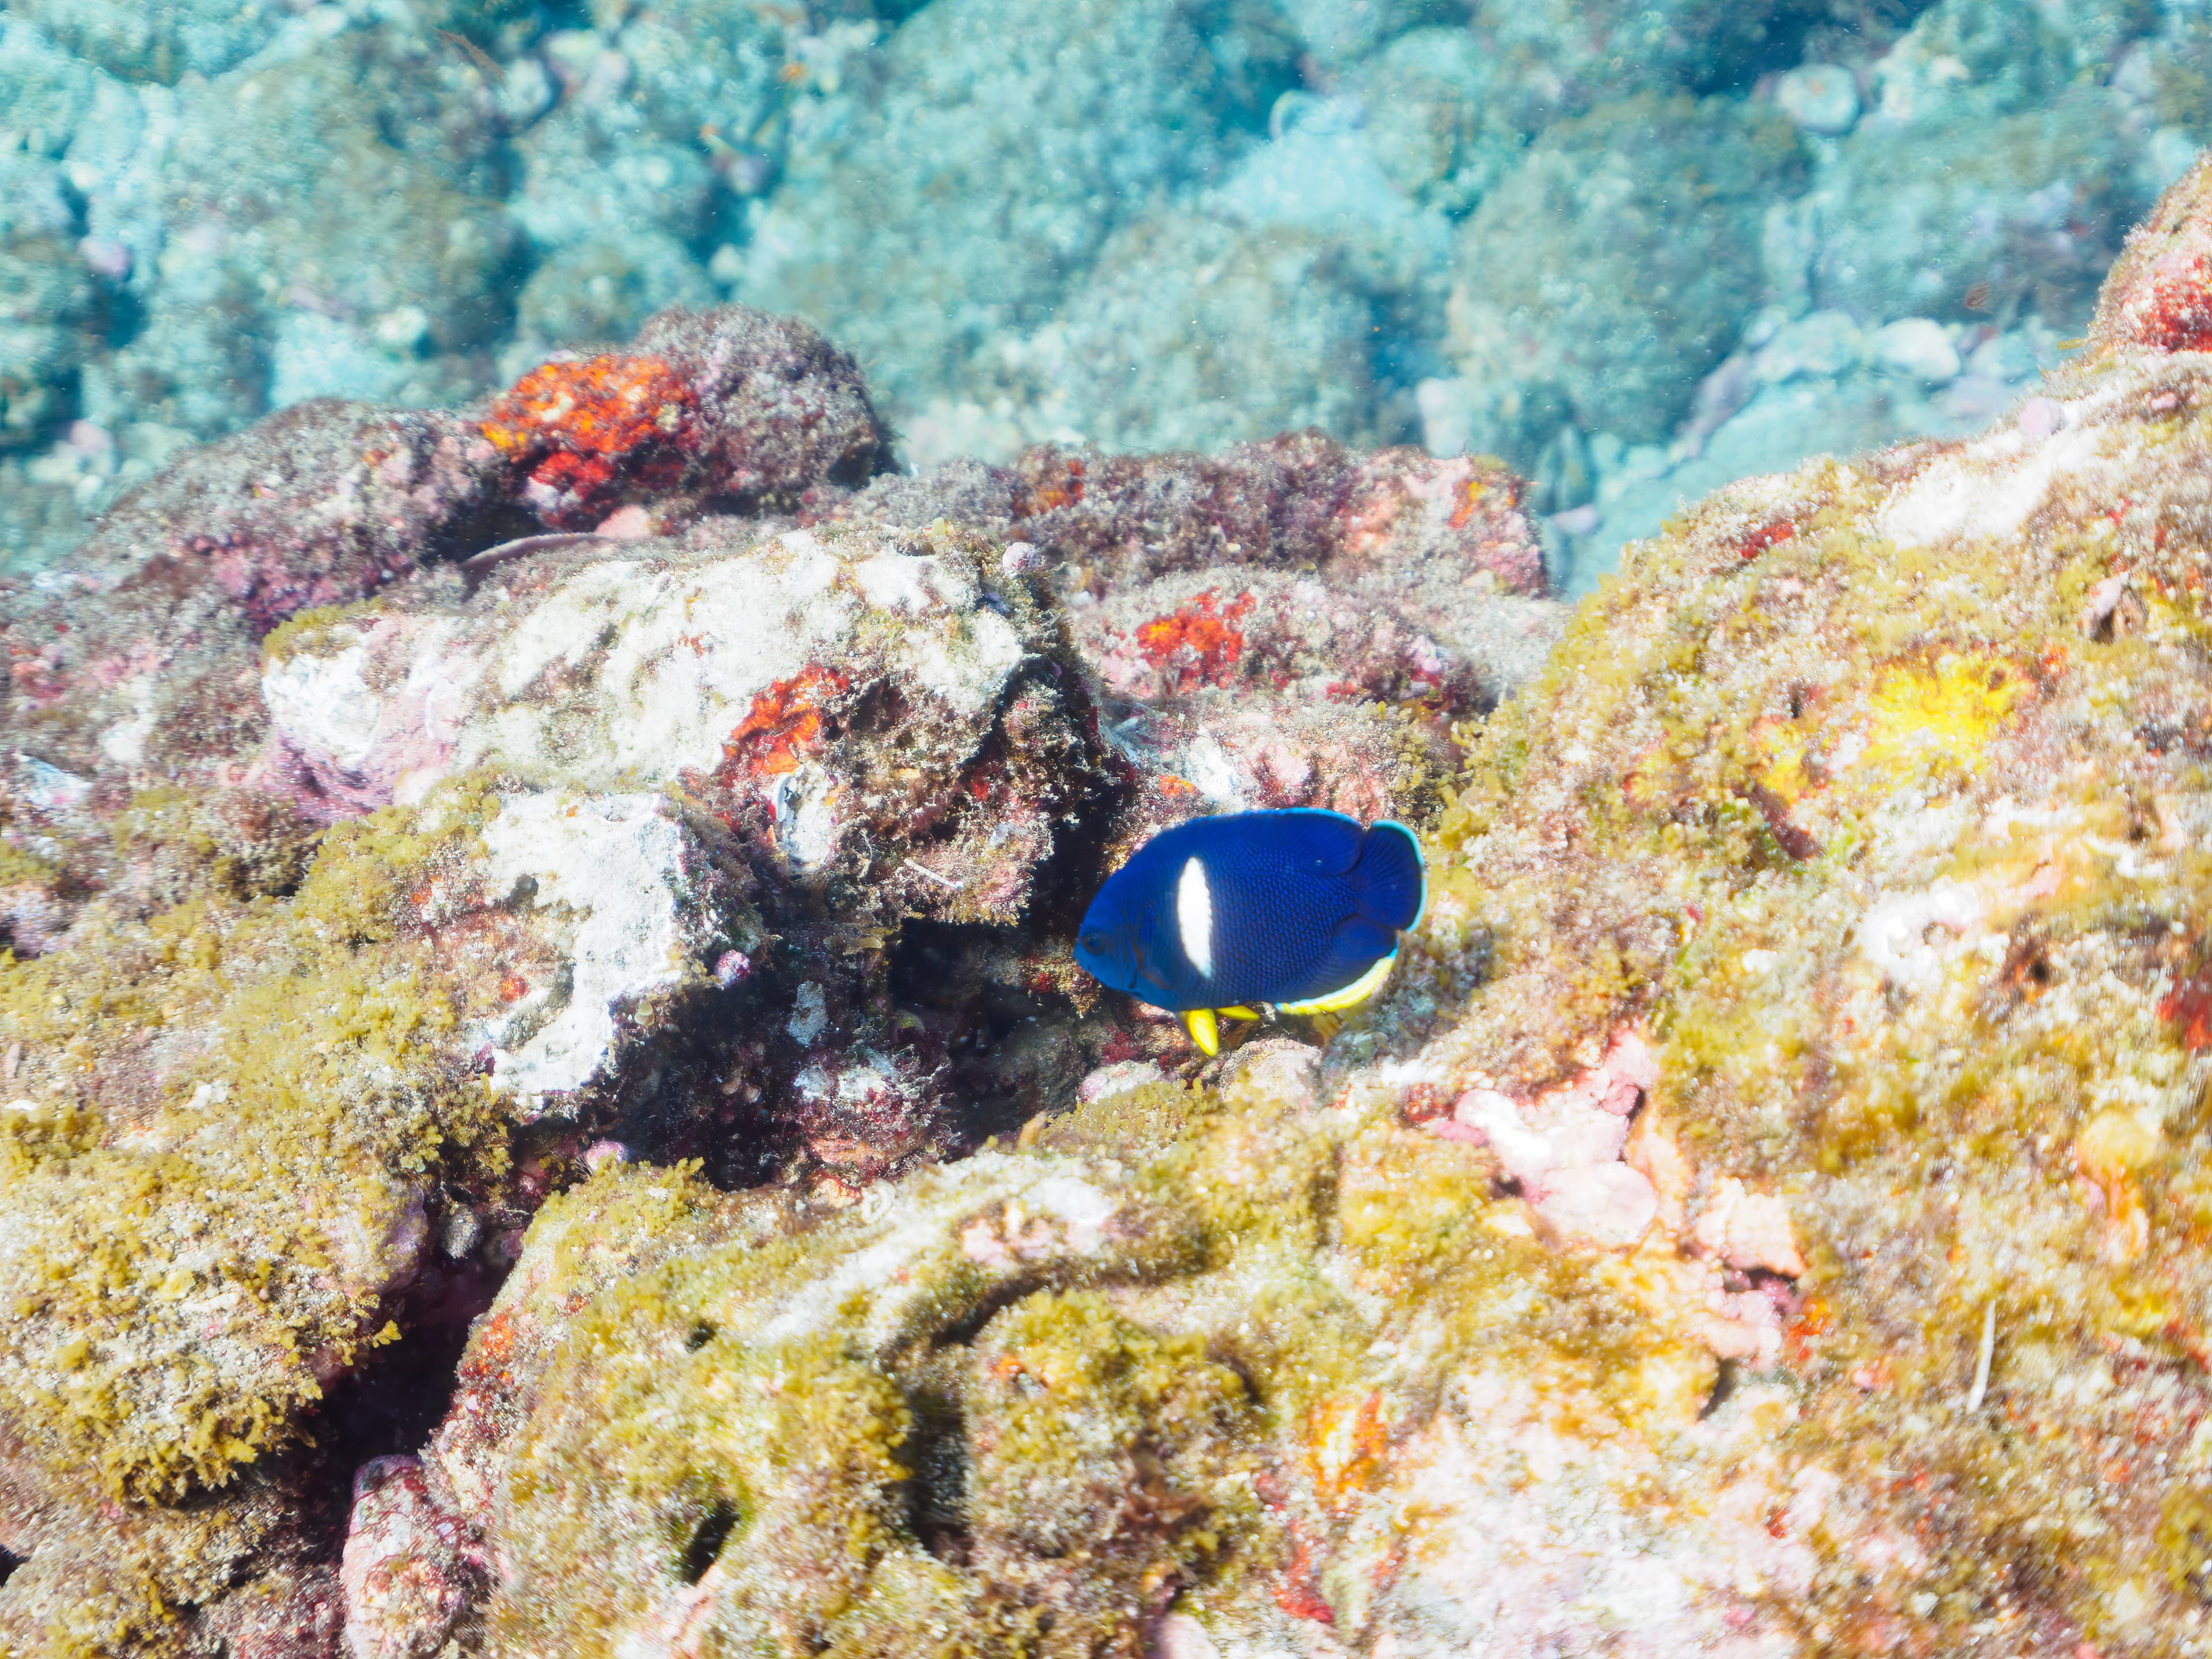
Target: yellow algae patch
[
  {"x": 1916, "y": 719},
  {"x": 1919, "y": 718},
  {"x": 1783, "y": 745}
]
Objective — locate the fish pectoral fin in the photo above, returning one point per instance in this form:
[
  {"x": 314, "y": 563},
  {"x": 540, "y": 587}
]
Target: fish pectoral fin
[
  {"x": 1241, "y": 1013},
  {"x": 1347, "y": 996},
  {"x": 1199, "y": 1022}
]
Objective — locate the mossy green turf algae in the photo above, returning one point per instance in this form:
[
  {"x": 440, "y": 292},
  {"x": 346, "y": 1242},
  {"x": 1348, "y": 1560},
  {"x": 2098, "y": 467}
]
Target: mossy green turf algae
[
  {"x": 1731, "y": 755},
  {"x": 1937, "y": 1142},
  {"x": 1124, "y": 1419},
  {"x": 171, "y": 1332}
]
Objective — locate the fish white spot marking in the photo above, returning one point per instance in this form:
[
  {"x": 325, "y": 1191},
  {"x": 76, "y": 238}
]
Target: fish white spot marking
[{"x": 1194, "y": 917}]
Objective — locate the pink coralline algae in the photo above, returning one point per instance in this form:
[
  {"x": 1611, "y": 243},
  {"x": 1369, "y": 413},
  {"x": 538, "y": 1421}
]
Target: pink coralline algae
[
  {"x": 1563, "y": 1147},
  {"x": 1598, "y": 1170},
  {"x": 409, "y": 1570},
  {"x": 2159, "y": 295}
]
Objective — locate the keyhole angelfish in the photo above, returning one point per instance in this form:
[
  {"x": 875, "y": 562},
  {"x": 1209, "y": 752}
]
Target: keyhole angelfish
[{"x": 1299, "y": 909}]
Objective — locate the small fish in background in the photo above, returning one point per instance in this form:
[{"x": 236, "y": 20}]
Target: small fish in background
[
  {"x": 486, "y": 65},
  {"x": 1300, "y": 909}
]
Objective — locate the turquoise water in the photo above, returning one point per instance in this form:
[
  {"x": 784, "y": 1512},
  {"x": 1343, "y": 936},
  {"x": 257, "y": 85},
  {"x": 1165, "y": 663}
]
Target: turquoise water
[{"x": 1636, "y": 249}]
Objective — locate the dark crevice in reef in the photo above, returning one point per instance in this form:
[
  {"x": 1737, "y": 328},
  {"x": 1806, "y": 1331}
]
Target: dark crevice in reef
[
  {"x": 1725, "y": 1382},
  {"x": 987, "y": 999},
  {"x": 964, "y": 1331},
  {"x": 394, "y": 1400},
  {"x": 936, "y": 1449},
  {"x": 9, "y": 1563},
  {"x": 499, "y": 521},
  {"x": 713, "y": 1531}
]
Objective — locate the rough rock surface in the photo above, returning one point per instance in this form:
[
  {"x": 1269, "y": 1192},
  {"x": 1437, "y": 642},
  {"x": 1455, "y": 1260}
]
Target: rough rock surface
[
  {"x": 1134, "y": 223},
  {"x": 1760, "y": 1218},
  {"x": 1654, "y": 205},
  {"x": 976, "y": 156},
  {"x": 379, "y": 861},
  {"x": 1760, "y": 1215}
]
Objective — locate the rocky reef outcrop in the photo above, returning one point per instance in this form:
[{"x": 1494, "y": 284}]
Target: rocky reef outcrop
[
  {"x": 410, "y": 813},
  {"x": 548, "y": 1109},
  {"x": 1761, "y": 1216}
]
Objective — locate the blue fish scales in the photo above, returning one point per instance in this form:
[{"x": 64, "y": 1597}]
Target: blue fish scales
[{"x": 1299, "y": 908}]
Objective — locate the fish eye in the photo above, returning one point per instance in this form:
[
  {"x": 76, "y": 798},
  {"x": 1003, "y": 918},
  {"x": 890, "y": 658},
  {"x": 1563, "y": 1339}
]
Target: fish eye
[{"x": 1094, "y": 942}]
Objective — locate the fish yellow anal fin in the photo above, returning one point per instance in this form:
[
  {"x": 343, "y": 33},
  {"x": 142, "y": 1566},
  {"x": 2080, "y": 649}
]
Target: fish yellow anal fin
[
  {"x": 1199, "y": 1022},
  {"x": 1241, "y": 1013},
  {"x": 1348, "y": 996}
]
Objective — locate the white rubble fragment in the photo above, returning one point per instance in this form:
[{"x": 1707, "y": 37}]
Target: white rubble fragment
[
  {"x": 614, "y": 863},
  {"x": 323, "y": 705},
  {"x": 1917, "y": 347},
  {"x": 1894, "y": 935},
  {"x": 124, "y": 741},
  {"x": 1747, "y": 1229},
  {"x": 1819, "y": 98},
  {"x": 1118, "y": 1079},
  {"x": 809, "y": 1013},
  {"x": 1989, "y": 489}
]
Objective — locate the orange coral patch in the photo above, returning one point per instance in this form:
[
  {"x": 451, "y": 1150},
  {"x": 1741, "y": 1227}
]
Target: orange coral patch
[
  {"x": 1812, "y": 1322},
  {"x": 577, "y": 426},
  {"x": 1346, "y": 1444},
  {"x": 1298, "y": 1593},
  {"x": 1047, "y": 495},
  {"x": 1471, "y": 494},
  {"x": 1766, "y": 536},
  {"x": 785, "y": 721},
  {"x": 1202, "y": 638},
  {"x": 607, "y": 406},
  {"x": 2189, "y": 1005}
]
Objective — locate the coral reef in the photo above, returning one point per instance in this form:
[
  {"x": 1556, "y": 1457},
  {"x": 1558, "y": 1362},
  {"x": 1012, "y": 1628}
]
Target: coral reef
[
  {"x": 1765, "y": 1199},
  {"x": 917, "y": 164},
  {"x": 1134, "y": 224},
  {"x": 1656, "y": 204},
  {"x": 45, "y": 295},
  {"x": 543, "y": 1104},
  {"x": 378, "y": 863}
]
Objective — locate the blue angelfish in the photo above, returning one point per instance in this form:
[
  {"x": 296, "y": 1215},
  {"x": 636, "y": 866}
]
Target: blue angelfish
[{"x": 1300, "y": 909}]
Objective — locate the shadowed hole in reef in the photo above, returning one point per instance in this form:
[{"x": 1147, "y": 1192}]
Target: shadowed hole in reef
[
  {"x": 984, "y": 998},
  {"x": 394, "y": 1400},
  {"x": 936, "y": 1449},
  {"x": 963, "y": 1331},
  {"x": 713, "y": 1531},
  {"x": 9, "y": 1563},
  {"x": 1725, "y": 1382}
]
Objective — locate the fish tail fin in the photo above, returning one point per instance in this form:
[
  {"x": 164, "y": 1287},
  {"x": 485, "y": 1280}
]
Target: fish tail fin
[{"x": 1391, "y": 888}]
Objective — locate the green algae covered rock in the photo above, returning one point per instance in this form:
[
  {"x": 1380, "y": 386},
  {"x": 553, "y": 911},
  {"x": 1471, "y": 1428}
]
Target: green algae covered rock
[{"x": 1765, "y": 1214}]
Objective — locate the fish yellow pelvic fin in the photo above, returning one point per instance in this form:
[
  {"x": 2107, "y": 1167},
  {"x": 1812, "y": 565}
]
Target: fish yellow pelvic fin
[
  {"x": 1348, "y": 996},
  {"x": 1241, "y": 1013},
  {"x": 1199, "y": 1022}
]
